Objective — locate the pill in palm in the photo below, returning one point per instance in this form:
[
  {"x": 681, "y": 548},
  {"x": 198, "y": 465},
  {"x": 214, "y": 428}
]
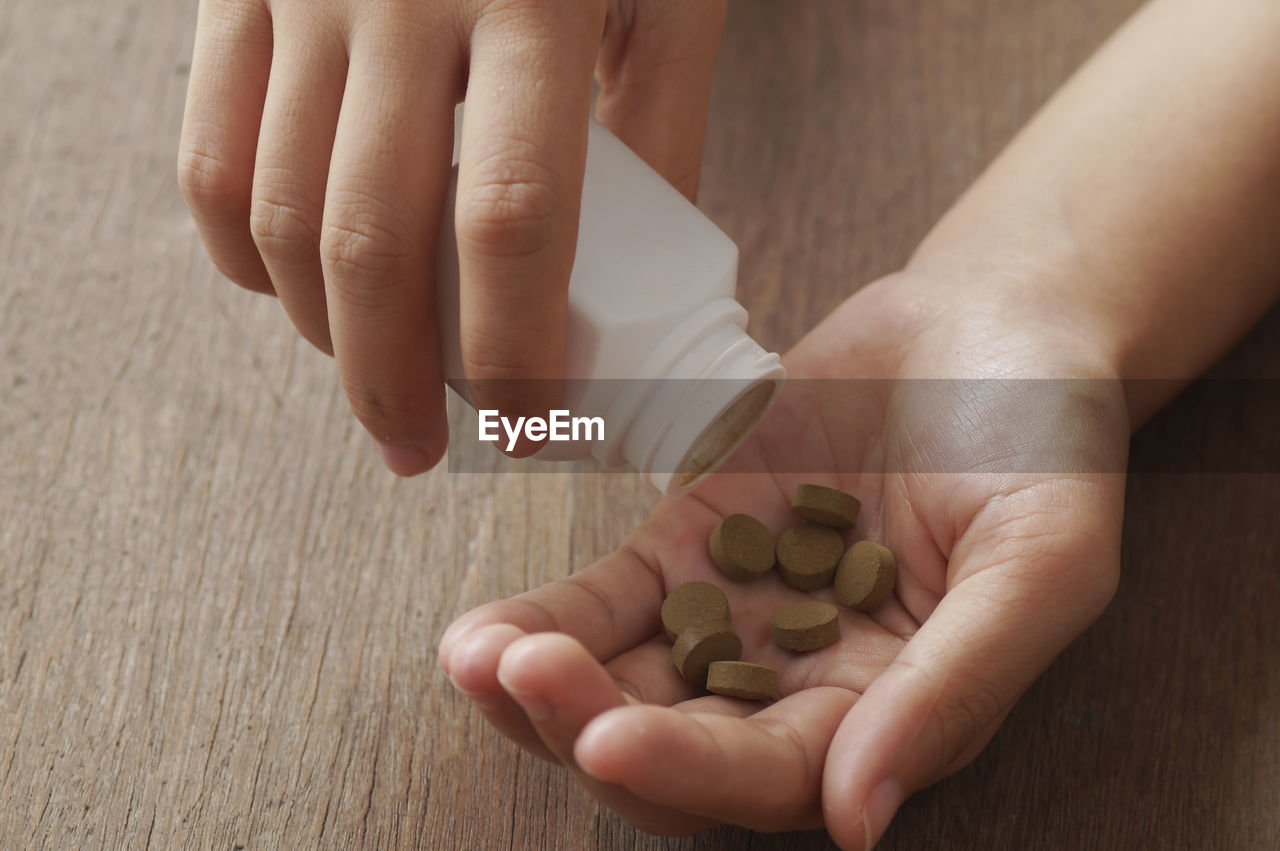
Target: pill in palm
[
  {"x": 828, "y": 506},
  {"x": 743, "y": 680},
  {"x": 804, "y": 626},
  {"x": 865, "y": 576},
  {"x": 692, "y": 603},
  {"x": 742, "y": 547},
  {"x": 808, "y": 555},
  {"x": 699, "y": 645}
]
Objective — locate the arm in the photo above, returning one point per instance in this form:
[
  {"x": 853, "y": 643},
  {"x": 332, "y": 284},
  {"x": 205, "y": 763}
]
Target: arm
[{"x": 1143, "y": 202}]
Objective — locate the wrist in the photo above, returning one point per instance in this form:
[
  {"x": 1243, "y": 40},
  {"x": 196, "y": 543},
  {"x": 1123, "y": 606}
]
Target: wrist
[
  {"x": 1040, "y": 286},
  {"x": 1116, "y": 320},
  {"x": 1155, "y": 244}
]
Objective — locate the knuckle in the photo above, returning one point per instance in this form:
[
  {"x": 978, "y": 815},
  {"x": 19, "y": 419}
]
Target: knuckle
[
  {"x": 284, "y": 229},
  {"x": 389, "y": 415},
  {"x": 501, "y": 358},
  {"x": 957, "y": 721},
  {"x": 965, "y": 724},
  {"x": 210, "y": 183},
  {"x": 514, "y": 13},
  {"x": 364, "y": 246},
  {"x": 212, "y": 186},
  {"x": 511, "y": 212}
]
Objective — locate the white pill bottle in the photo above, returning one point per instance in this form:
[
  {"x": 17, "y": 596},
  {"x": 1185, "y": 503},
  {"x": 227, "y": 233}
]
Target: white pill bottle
[{"x": 656, "y": 343}]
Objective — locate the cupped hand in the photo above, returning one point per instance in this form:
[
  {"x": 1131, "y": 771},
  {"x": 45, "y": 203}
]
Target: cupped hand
[
  {"x": 316, "y": 153},
  {"x": 1001, "y": 497}
]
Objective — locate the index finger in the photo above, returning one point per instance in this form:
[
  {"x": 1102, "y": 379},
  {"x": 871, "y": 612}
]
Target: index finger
[{"x": 610, "y": 607}]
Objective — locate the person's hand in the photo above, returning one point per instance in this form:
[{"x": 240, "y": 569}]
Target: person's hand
[
  {"x": 1001, "y": 499},
  {"x": 315, "y": 157}
]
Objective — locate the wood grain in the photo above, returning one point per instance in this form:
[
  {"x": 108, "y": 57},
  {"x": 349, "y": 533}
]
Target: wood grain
[{"x": 219, "y": 613}]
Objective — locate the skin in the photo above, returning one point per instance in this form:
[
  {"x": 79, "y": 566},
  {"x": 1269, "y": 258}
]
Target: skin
[
  {"x": 997, "y": 574},
  {"x": 1128, "y": 232},
  {"x": 315, "y": 157}
]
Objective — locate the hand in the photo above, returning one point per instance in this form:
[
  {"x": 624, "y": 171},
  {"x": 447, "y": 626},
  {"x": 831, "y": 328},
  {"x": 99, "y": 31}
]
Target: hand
[
  {"x": 316, "y": 152},
  {"x": 998, "y": 571}
]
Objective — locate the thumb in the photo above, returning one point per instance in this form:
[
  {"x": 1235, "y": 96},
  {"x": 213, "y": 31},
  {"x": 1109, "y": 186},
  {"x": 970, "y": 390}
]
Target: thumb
[
  {"x": 654, "y": 69},
  {"x": 1030, "y": 573}
]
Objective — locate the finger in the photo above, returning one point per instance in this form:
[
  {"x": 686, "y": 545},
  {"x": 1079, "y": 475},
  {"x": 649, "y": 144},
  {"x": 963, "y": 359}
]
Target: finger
[
  {"x": 763, "y": 772},
  {"x": 474, "y": 672},
  {"x": 559, "y": 685},
  {"x": 521, "y": 160},
  {"x": 642, "y": 675},
  {"x": 714, "y": 704},
  {"x": 304, "y": 96},
  {"x": 655, "y": 70},
  {"x": 1029, "y": 588},
  {"x": 229, "y": 69},
  {"x": 562, "y": 688},
  {"x": 609, "y": 607},
  {"x": 387, "y": 181}
]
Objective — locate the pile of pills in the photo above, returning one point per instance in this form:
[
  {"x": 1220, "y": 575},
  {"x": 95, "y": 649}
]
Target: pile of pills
[{"x": 695, "y": 616}]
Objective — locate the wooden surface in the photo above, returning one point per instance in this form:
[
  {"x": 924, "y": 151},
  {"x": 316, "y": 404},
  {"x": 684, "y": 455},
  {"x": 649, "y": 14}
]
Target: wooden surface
[{"x": 219, "y": 614}]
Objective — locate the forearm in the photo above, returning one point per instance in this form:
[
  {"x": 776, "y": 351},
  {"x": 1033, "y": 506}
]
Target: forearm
[{"x": 1143, "y": 203}]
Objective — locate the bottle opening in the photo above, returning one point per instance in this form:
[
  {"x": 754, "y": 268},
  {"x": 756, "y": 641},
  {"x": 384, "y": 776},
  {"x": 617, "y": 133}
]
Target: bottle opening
[{"x": 724, "y": 434}]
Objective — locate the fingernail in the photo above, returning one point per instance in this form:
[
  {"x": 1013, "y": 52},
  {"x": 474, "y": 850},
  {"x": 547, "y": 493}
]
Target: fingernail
[
  {"x": 403, "y": 460},
  {"x": 879, "y": 810}
]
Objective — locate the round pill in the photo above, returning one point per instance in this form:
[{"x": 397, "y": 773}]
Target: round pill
[
  {"x": 865, "y": 576},
  {"x": 742, "y": 547},
  {"x": 808, "y": 555},
  {"x": 701, "y": 644},
  {"x": 690, "y": 603},
  {"x": 806, "y": 626},
  {"x": 742, "y": 680},
  {"x": 828, "y": 506}
]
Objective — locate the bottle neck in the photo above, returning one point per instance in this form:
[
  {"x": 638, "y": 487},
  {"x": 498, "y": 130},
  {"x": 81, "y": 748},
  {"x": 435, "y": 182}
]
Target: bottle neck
[{"x": 703, "y": 402}]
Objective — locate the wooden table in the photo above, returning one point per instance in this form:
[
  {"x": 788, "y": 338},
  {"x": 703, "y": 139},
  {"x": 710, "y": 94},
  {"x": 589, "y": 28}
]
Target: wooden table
[{"x": 220, "y": 614}]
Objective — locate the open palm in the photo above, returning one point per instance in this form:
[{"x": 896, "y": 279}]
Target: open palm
[{"x": 1002, "y": 499}]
